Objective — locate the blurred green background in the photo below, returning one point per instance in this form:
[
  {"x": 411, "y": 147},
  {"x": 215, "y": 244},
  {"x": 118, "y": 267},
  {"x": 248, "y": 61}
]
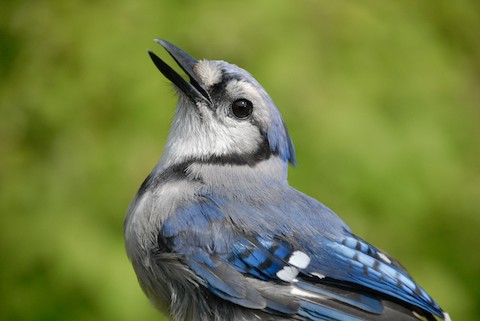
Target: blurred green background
[{"x": 382, "y": 100}]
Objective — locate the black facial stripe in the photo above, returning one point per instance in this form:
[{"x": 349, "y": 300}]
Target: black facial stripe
[
  {"x": 262, "y": 153},
  {"x": 178, "y": 172},
  {"x": 146, "y": 184},
  {"x": 218, "y": 90},
  {"x": 173, "y": 173},
  {"x": 219, "y": 94}
]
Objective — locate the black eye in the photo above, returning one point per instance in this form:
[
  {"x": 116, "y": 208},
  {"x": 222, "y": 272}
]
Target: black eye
[{"x": 242, "y": 108}]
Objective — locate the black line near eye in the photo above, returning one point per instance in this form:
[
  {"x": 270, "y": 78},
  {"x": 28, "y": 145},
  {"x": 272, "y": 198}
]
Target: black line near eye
[{"x": 242, "y": 108}]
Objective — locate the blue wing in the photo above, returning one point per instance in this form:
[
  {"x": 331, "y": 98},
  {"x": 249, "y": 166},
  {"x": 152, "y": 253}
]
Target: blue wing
[
  {"x": 321, "y": 278},
  {"x": 374, "y": 269}
]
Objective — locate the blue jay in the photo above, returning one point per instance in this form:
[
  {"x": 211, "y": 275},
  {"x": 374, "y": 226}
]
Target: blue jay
[{"x": 215, "y": 232}]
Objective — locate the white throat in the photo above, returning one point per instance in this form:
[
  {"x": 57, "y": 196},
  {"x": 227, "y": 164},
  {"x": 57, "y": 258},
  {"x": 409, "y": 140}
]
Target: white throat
[{"x": 198, "y": 135}]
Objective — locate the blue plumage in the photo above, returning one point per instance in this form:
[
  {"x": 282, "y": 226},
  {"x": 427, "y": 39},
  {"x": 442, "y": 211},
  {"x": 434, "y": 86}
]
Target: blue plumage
[
  {"x": 216, "y": 233},
  {"x": 366, "y": 267},
  {"x": 347, "y": 258}
]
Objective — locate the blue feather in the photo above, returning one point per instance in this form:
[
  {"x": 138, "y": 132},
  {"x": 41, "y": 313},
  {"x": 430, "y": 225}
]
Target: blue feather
[
  {"x": 319, "y": 312},
  {"x": 223, "y": 257},
  {"x": 263, "y": 257},
  {"x": 362, "y": 301},
  {"x": 366, "y": 267}
]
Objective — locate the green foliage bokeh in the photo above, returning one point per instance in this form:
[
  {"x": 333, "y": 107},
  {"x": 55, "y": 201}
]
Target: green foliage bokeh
[{"x": 381, "y": 98}]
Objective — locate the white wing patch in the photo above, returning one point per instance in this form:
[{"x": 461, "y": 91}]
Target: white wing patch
[
  {"x": 299, "y": 259},
  {"x": 318, "y": 275},
  {"x": 288, "y": 273},
  {"x": 384, "y": 257}
]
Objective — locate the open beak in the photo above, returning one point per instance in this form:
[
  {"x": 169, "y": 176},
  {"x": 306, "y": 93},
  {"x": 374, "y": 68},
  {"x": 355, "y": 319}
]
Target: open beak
[{"x": 194, "y": 89}]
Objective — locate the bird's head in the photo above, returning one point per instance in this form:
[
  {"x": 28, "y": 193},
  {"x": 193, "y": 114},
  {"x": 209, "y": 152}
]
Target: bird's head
[{"x": 223, "y": 116}]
